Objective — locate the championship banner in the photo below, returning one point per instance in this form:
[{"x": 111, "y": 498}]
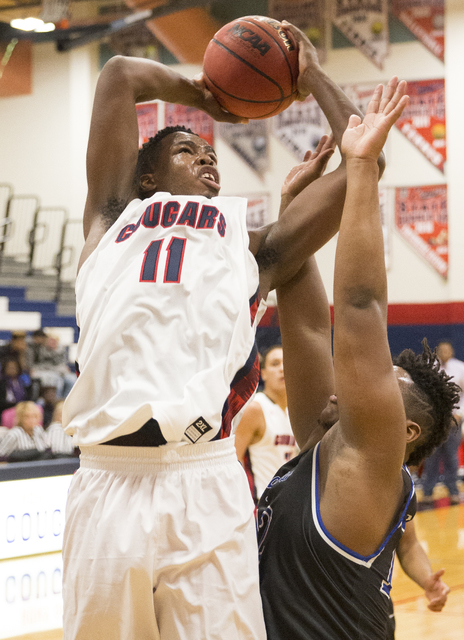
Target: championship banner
[
  {"x": 365, "y": 24},
  {"x": 307, "y": 15},
  {"x": 300, "y": 127},
  {"x": 198, "y": 121},
  {"x": 423, "y": 121},
  {"x": 421, "y": 217},
  {"x": 426, "y": 20},
  {"x": 258, "y": 210},
  {"x": 250, "y": 141},
  {"x": 147, "y": 118}
]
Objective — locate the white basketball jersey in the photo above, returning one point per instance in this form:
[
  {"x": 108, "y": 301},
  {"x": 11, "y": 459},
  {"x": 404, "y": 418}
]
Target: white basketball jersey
[
  {"x": 276, "y": 446},
  {"x": 167, "y": 306}
]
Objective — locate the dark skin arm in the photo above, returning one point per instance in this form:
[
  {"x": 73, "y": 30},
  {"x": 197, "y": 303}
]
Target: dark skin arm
[
  {"x": 313, "y": 217},
  {"x": 416, "y": 565},
  {"x": 362, "y": 455}
]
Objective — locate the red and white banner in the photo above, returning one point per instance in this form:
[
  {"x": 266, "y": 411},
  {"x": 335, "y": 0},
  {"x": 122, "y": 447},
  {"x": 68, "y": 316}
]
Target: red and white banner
[
  {"x": 423, "y": 121},
  {"x": 147, "y": 118},
  {"x": 198, "y": 121},
  {"x": 307, "y": 15},
  {"x": 300, "y": 127},
  {"x": 421, "y": 217},
  {"x": 258, "y": 210},
  {"x": 426, "y": 20},
  {"x": 250, "y": 141},
  {"x": 365, "y": 24}
]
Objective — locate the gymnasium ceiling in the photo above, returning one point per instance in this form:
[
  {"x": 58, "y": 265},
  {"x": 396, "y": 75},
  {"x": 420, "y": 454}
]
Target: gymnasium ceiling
[{"x": 182, "y": 27}]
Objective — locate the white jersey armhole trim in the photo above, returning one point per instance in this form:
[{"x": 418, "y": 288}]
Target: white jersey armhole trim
[{"x": 357, "y": 558}]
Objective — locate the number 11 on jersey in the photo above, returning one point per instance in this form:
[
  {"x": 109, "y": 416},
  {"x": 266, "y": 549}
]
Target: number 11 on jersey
[{"x": 174, "y": 260}]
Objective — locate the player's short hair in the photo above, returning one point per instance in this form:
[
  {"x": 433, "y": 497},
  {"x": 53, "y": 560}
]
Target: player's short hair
[
  {"x": 149, "y": 152},
  {"x": 263, "y": 356},
  {"x": 429, "y": 401}
]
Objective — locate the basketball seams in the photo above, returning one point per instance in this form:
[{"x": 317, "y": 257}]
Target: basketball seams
[
  {"x": 231, "y": 95},
  {"x": 251, "y": 66},
  {"x": 281, "y": 48}
]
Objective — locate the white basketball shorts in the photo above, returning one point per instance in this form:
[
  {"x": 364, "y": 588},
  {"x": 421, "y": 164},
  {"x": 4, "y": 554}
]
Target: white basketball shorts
[{"x": 160, "y": 543}]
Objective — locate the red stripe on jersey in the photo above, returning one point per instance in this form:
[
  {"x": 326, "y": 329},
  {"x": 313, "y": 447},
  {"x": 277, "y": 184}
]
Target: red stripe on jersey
[
  {"x": 254, "y": 304},
  {"x": 242, "y": 388}
]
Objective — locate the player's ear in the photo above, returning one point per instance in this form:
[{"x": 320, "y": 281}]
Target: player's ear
[
  {"x": 413, "y": 431},
  {"x": 148, "y": 182}
]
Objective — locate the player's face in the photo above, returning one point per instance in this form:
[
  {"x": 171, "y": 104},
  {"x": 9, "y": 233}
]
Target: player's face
[
  {"x": 272, "y": 372},
  {"x": 187, "y": 166}
]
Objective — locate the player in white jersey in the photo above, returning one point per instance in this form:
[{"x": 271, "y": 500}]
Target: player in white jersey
[
  {"x": 264, "y": 439},
  {"x": 160, "y": 538}
]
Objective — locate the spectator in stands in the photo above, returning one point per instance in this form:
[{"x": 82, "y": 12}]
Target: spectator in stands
[
  {"x": 447, "y": 453},
  {"x": 12, "y": 386},
  {"x": 60, "y": 442},
  {"x": 17, "y": 349},
  {"x": 48, "y": 400},
  {"x": 49, "y": 363},
  {"x": 28, "y": 437}
]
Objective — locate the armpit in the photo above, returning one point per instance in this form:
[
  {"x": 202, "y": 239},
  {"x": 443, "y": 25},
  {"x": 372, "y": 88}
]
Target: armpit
[
  {"x": 266, "y": 258},
  {"x": 112, "y": 210}
]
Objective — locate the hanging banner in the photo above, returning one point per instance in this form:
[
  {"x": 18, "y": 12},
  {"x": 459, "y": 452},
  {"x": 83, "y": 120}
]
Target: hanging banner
[
  {"x": 365, "y": 24},
  {"x": 421, "y": 217},
  {"x": 307, "y": 15},
  {"x": 258, "y": 210},
  {"x": 426, "y": 20},
  {"x": 198, "y": 121},
  {"x": 385, "y": 208},
  {"x": 147, "y": 118},
  {"x": 250, "y": 141},
  {"x": 300, "y": 127},
  {"x": 423, "y": 122},
  {"x": 359, "y": 94}
]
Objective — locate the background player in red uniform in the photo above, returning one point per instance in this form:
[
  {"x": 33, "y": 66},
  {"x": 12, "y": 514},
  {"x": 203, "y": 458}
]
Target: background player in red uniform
[{"x": 331, "y": 519}]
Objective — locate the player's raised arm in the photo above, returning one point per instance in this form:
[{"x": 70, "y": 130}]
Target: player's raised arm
[
  {"x": 314, "y": 215},
  {"x": 113, "y": 141},
  {"x": 364, "y": 377},
  {"x": 304, "y": 316}
]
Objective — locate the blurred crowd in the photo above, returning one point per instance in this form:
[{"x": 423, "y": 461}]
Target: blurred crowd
[{"x": 35, "y": 377}]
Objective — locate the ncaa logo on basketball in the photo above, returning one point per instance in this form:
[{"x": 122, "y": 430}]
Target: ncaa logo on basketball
[{"x": 252, "y": 38}]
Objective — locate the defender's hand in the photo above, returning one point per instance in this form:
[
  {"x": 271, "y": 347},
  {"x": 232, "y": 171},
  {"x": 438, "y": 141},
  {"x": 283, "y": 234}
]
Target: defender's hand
[
  {"x": 364, "y": 139},
  {"x": 312, "y": 167},
  {"x": 436, "y": 591}
]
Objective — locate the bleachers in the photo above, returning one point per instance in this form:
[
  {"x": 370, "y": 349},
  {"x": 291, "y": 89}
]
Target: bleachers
[{"x": 36, "y": 249}]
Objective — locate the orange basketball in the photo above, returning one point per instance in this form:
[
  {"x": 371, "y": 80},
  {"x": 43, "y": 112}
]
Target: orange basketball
[{"x": 251, "y": 67}]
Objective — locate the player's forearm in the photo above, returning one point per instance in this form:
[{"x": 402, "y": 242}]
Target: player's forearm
[
  {"x": 335, "y": 104},
  {"x": 415, "y": 563},
  {"x": 148, "y": 80},
  {"x": 360, "y": 277}
]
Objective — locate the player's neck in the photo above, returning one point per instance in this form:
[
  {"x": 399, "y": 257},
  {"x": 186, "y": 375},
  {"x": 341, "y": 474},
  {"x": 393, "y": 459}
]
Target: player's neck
[{"x": 277, "y": 397}]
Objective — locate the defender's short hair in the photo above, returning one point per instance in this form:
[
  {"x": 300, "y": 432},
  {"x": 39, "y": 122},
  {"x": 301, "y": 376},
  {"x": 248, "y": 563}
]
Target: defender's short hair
[{"x": 430, "y": 401}]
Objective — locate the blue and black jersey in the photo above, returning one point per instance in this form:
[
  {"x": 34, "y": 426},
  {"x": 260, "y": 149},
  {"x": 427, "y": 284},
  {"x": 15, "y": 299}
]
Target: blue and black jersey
[{"x": 312, "y": 586}]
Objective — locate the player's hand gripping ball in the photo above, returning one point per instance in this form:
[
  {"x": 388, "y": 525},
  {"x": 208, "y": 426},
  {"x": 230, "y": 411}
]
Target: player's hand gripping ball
[{"x": 251, "y": 67}]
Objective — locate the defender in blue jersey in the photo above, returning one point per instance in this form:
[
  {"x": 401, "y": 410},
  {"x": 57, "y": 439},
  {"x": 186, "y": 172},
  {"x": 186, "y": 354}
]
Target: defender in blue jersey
[{"x": 330, "y": 520}]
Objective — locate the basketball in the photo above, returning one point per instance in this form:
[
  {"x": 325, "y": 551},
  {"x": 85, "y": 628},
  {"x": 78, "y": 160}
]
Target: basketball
[{"x": 251, "y": 67}]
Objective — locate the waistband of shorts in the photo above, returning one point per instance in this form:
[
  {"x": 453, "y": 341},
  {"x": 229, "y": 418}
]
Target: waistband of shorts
[{"x": 169, "y": 457}]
